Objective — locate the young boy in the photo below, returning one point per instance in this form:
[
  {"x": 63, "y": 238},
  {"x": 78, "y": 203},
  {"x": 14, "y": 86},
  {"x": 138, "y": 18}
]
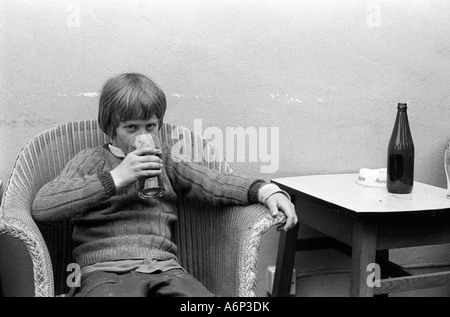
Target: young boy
[{"x": 122, "y": 242}]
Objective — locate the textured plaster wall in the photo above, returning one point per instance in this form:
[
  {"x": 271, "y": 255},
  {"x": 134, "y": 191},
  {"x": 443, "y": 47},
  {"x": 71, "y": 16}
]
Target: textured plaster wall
[{"x": 327, "y": 74}]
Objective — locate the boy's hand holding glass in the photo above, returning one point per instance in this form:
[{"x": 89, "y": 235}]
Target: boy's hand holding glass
[
  {"x": 138, "y": 165},
  {"x": 148, "y": 186}
]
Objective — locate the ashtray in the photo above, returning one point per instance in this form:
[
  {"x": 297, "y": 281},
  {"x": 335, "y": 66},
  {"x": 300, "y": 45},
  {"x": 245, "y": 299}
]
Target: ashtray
[{"x": 372, "y": 177}]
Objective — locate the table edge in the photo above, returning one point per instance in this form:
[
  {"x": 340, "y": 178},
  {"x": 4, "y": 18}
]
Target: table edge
[{"x": 366, "y": 214}]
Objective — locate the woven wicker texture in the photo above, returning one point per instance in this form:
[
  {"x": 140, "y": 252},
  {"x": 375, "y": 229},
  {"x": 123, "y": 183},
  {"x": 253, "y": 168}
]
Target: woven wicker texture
[{"x": 219, "y": 247}]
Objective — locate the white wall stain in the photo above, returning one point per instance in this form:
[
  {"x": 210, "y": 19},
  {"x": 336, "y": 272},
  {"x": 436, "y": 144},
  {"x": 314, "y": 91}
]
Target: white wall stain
[
  {"x": 88, "y": 94},
  {"x": 285, "y": 98},
  {"x": 82, "y": 94},
  {"x": 274, "y": 95}
]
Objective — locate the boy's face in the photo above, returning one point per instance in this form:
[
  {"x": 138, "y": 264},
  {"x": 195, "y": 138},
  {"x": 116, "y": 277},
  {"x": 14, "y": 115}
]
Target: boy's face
[{"x": 127, "y": 130}]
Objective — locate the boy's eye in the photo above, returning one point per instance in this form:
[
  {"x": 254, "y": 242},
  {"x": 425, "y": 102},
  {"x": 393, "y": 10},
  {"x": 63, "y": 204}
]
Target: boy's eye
[
  {"x": 151, "y": 126},
  {"x": 131, "y": 128}
]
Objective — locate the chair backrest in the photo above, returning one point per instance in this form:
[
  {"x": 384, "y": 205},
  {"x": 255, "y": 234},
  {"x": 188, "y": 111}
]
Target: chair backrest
[{"x": 45, "y": 155}]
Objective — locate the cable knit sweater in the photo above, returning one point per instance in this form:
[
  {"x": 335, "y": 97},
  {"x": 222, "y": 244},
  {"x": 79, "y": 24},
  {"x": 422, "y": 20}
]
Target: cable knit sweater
[{"x": 118, "y": 225}]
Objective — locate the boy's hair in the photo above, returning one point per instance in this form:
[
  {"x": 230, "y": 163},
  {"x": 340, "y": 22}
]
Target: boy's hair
[{"x": 129, "y": 96}]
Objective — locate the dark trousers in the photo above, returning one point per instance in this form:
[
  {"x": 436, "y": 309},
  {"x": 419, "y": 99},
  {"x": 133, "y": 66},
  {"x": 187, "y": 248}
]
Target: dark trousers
[{"x": 175, "y": 283}]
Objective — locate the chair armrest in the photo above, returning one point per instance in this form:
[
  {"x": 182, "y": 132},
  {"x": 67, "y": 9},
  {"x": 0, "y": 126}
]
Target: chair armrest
[
  {"x": 16, "y": 221},
  {"x": 220, "y": 245},
  {"x": 27, "y": 232}
]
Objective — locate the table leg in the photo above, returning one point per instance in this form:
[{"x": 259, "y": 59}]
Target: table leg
[
  {"x": 364, "y": 242},
  {"x": 383, "y": 254},
  {"x": 285, "y": 260}
]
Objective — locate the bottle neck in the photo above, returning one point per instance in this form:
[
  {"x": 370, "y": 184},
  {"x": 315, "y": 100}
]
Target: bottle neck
[
  {"x": 402, "y": 117},
  {"x": 401, "y": 133},
  {"x": 402, "y": 106}
]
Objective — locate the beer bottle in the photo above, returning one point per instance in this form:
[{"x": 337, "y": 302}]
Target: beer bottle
[{"x": 400, "y": 155}]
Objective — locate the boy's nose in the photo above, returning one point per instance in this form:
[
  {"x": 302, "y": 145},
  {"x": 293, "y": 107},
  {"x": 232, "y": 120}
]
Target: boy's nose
[{"x": 142, "y": 131}]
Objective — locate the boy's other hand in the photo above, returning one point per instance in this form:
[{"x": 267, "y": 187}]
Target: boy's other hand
[
  {"x": 279, "y": 202},
  {"x": 137, "y": 164}
]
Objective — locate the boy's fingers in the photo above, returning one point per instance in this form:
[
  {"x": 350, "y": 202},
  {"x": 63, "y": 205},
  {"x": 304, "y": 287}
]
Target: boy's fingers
[
  {"x": 151, "y": 166},
  {"x": 291, "y": 216},
  {"x": 145, "y": 151},
  {"x": 150, "y": 159},
  {"x": 273, "y": 207},
  {"x": 289, "y": 223},
  {"x": 152, "y": 173}
]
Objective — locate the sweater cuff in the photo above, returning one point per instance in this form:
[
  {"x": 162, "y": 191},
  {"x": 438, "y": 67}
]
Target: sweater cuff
[
  {"x": 268, "y": 190},
  {"x": 108, "y": 183},
  {"x": 254, "y": 191}
]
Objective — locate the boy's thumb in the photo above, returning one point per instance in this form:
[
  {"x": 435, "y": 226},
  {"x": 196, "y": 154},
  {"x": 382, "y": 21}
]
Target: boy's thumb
[{"x": 272, "y": 208}]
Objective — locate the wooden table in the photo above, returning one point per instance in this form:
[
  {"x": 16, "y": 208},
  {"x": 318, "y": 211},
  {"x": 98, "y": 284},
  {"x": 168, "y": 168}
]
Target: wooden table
[{"x": 364, "y": 222}]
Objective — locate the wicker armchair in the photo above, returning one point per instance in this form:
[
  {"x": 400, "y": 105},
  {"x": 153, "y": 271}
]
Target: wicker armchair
[{"x": 219, "y": 247}]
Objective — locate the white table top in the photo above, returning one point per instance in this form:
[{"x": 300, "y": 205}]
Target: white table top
[{"x": 343, "y": 190}]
